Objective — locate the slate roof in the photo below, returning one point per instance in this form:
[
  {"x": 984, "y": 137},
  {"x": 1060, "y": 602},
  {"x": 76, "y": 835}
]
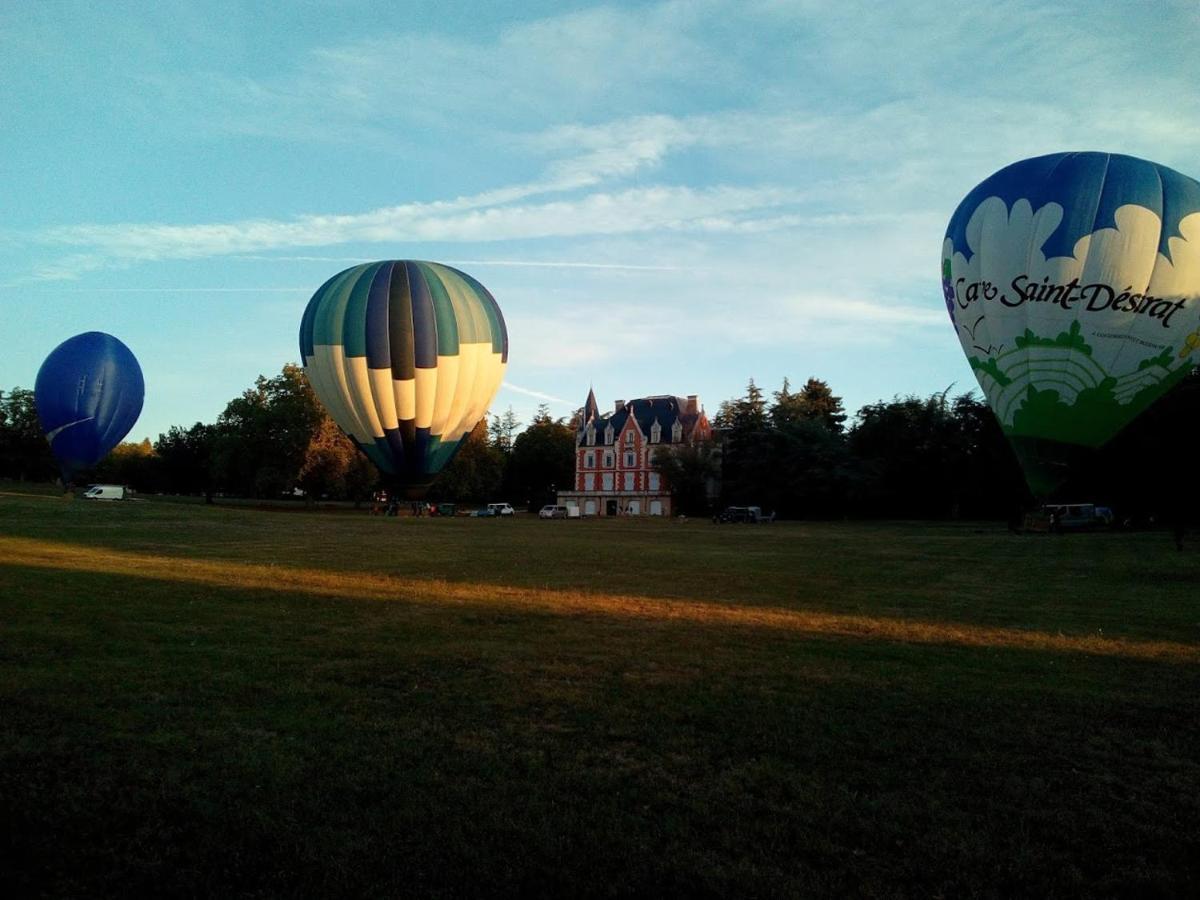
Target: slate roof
[{"x": 665, "y": 409}]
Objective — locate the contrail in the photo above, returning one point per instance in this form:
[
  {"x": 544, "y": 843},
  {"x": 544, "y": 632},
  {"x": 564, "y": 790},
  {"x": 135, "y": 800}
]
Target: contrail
[{"x": 538, "y": 394}]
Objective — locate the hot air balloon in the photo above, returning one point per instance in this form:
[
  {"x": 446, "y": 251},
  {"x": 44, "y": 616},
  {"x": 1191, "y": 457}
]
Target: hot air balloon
[
  {"x": 88, "y": 394},
  {"x": 406, "y": 356},
  {"x": 1073, "y": 282}
]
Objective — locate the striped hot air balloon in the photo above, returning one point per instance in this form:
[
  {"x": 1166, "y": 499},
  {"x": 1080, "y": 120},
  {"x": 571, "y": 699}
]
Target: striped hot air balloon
[{"x": 406, "y": 356}]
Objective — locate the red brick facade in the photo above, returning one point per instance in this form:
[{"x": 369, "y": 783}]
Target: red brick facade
[{"x": 613, "y": 454}]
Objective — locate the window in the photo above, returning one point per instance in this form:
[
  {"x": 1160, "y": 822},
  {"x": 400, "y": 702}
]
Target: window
[
  {"x": 629, "y": 439},
  {"x": 591, "y": 436},
  {"x": 608, "y": 459},
  {"x": 629, "y": 461},
  {"x": 608, "y": 435},
  {"x": 629, "y": 481},
  {"x": 655, "y": 432},
  {"x": 607, "y": 481},
  {"x": 676, "y": 432},
  {"x": 589, "y": 482},
  {"x": 589, "y": 460},
  {"x": 653, "y": 481}
]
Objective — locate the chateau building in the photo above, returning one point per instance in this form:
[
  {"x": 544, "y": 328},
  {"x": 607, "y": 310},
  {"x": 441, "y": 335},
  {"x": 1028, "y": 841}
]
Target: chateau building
[{"x": 614, "y": 452}]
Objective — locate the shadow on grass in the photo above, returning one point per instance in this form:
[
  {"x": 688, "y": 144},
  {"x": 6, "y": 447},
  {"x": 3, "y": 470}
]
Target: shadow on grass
[{"x": 202, "y": 728}]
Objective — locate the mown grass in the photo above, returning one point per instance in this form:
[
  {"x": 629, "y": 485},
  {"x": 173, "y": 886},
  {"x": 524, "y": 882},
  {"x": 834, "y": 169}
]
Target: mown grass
[{"x": 228, "y": 701}]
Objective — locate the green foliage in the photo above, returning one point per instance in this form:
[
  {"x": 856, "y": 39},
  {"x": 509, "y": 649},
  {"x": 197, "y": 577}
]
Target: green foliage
[
  {"x": 263, "y": 436},
  {"x": 186, "y": 459},
  {"x": 1163, "y": 359},
  {"x": 333, "y": 467},
  {"x": 992, "y": 368},
  {"x": 132, "y": 463},
  {"x": 744, "y": 416},
  {"x": 542, "y": 462},
  {"x": 1070, "y": 339},
  {"x": 814, "y": 403},
  {"x": 689, "y": 471},
  {"x": 930, "y": 458},
  {"x": 503, "y": 431},
  {"x": 24, "y": 453},
  {"x": 474, "y": 475}
]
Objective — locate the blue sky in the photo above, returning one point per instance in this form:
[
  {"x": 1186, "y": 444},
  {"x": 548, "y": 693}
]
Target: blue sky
[{"x": 664, "y": 198}]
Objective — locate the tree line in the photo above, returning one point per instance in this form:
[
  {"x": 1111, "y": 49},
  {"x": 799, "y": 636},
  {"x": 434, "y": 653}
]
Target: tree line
[
  {"x": 276, "y": 437},
  {"x": 796, "y": 453},
  {"x": 940, "y": 456}
]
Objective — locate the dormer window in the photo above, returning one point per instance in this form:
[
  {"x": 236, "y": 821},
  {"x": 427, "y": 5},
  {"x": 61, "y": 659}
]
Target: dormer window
[
  {"x": 591, "y": 436},
  {"x": 655, "y": 432},
  {"x": 608, "y": 434},
  {"x": 629, "y": 439},
  {"x": 676, "y": 432}
]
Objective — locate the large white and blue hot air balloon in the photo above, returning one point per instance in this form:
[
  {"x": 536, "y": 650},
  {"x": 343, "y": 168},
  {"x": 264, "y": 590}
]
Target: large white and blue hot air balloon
[
  {"x": 1073, "y": 282},
  {"x": 405, "y": 356}
]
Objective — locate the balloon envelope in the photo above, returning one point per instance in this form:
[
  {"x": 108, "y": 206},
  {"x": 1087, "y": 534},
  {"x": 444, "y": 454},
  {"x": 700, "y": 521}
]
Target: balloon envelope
[
  {"x": 1072, "y": 281},
  {"x": 88, "y": 394},
  {"x": 405, "y": 356}
]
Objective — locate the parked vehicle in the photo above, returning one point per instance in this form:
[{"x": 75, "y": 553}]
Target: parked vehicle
[
  {"x": 752, "y": 515},
  {"x": 500, "y": 509},
  {"x": 106, "y": 492},
  {"x": 550, "y": 511},
  {"x": 1069, "y": 517}
]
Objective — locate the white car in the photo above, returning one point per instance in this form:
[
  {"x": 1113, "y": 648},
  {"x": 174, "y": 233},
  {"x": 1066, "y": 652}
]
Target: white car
[
  {"x": 500, "y": 509},
  {"x": 550, "y": 511}
]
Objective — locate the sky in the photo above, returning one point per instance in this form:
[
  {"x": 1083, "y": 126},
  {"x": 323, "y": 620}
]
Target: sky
[{"x": 664, "y": 198}]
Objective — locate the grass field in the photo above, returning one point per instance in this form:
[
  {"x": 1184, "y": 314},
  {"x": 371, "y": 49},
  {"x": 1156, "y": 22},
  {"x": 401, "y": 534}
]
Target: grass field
[{"x": 199, "y": 700}]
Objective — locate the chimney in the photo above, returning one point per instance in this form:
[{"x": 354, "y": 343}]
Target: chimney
[
  {"x": 693, "y": 405},
  {"x": 620, "y": 406}
]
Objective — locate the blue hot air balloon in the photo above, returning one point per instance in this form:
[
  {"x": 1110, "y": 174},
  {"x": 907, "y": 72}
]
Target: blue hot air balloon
[
  {"x": 1073, "y": 283},
  {"x": 88, "y": 393}
]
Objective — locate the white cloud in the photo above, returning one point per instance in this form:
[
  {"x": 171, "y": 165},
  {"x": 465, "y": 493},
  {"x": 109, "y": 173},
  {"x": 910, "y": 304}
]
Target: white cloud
[{"x": 464, "y": 220}]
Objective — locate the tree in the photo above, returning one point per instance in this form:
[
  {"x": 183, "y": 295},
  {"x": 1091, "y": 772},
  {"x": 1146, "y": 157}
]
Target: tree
[
  {"x": 24, "y": 452},
  {"x": 746, "y": 414},
  {"x": 475, "y": 473},
  {"x": 909, "y": 452},
  {"x": 688, "y": 470},
  {"x": 814, "y": 403},
  {"x": 542, "y": 461},
  {"x": 742, "y": 425},
  {"x": 327, "y": 461},
  {"x": 810, "y": 470},
  {"x": 186, "y": 459},
  {"x": 132, "y": 463},
  {"x": 502, "y": 431},
  {"x": 263, "y": 436}
]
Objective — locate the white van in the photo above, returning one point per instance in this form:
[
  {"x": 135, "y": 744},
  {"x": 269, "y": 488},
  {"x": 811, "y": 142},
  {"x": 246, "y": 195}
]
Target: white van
[
  {"x": 105, "y": 492},
  {"x": 499, "y": 509}
]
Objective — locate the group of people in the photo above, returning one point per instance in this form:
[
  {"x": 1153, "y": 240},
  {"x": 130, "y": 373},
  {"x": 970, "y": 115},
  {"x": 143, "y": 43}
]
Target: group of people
[{"x": 384, "y": 505}]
